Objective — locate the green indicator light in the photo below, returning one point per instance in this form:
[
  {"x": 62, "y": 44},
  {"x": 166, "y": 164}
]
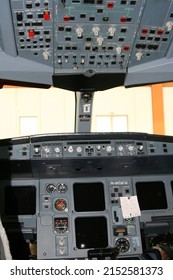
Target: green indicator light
[{"x": 105, "y": 18}]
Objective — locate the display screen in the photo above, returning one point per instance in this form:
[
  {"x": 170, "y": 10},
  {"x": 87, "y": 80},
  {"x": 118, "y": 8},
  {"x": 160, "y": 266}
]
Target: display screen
[
  {"x": 151, "y": 195},
  {"x": 172, "y": 186},
  {"x": 20, "y": 200},
  {"x": 89, "y": 197},
  {"x": 91, "y": 232}
]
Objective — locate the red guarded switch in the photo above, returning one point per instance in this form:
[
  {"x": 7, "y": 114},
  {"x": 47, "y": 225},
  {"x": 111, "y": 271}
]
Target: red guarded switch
[
  {"x": 160, "y": 32},
  {"x": 46, "y": 15},
  {"x": 66, "y": 18},
  {"x": 145, "y": 31},
  {"x": 126, "y": 48},
  {"x": 123, "y": 19},
  {"x": 110, "y": 5},
  {"x": 31, "y": 33}
]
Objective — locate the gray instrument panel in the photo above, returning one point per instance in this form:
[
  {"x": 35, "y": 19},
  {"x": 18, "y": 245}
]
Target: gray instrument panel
[
  {"x": 100, "y": 35},
  {"x": 75, "y": 183},
  {"x": 60, "y": 237},
  {"x": 59, "y": 149},
  {"x": 86, "y": 37},
  {"x": 33, "y": 21}
]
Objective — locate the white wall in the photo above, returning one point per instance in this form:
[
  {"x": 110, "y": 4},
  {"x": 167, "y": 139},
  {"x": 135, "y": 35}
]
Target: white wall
[
  {"x": 8, "y": 114},
  {"x": 135, "y": 103},
  {"x": 53, "y": 108}
]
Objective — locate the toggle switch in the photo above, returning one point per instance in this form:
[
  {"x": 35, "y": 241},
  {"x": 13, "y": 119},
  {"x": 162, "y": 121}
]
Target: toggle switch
[
  {"x": 111, "y": 31},
  {"x": 169, "y": 25},
  {"x": 138, "y": 56},
  {"x": 79, "y": 32},
  {"x": 118, "y": 50},
  {"x": 100, "y": 41},
  {"x": 96, "y": 30}
]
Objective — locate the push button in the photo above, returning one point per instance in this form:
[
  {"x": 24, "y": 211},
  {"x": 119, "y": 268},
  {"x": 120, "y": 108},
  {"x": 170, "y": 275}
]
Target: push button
[
  {"x": 31, "y": 33},
  {"x": 46, "y": 15}
]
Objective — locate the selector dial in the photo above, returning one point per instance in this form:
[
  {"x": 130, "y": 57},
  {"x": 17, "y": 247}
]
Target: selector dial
[
  {"x": 140, "y": 148},
  {"x": 46, "y": 149},
  {"x": 50, "y": 188},
  {"x": 57, "y": 149},
  {"x": 98, "y": 147},
  {"x": 131, "y": 148},
  {"x": 60, "y": 204},
  {"x": 122, "y": 244},
  {"x": 79, "y": 149},
  {"x": 70, "y": 149},
  {"x": 108, "y": 149},
  {"x": 36, "y": 150},
  {"x": 62, "y": 188},
  {"x": 120, "y": 148}
]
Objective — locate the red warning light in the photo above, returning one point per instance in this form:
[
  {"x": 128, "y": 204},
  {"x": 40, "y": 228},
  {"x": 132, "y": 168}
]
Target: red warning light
[
  {"x": 144, "y": 31},
  {"x": 46, "y": 15},
  {"x": 31, "y": 33},
  {"x": 110, "y": 5},
  {"x": 66, "y": 18},
  {"x": 126, "y": 48},
  {"x": 123, "y": 19},
  {"x": 160, "y": 32}
]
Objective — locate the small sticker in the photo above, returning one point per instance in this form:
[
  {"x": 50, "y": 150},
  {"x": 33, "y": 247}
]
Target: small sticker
[
  {"x": 87, "y": 108},
  {"x": 130, "y": 207}
]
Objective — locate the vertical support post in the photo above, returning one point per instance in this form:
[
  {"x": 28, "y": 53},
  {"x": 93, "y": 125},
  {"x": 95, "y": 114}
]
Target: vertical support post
[{"x": 84, "y": 100}]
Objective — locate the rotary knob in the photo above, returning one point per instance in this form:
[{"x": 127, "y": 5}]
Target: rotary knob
[
  {"x": 122, "y": 244},
  {"x": 79, "y": 149},
  {"x": 120, "y": 148},
  {"x": 57, "y": 149},
  {"x": 50, "y": 188},
  {"x": 108, "y": 149},
  {"x": 60, "y": 204},
  {"x": 70, "y": 149},
  {"x": 98, "y": 147},
  {"x": 131, "y": 148},
  {"x": 36, "y": 150},
  {"x": 46, "y": 149},
  {"x": 140, "y": 148},
  {"x": 62, "y": 188}
]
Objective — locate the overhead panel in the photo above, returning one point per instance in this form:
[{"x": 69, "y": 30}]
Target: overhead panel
[{"x": 129, "y": 42}]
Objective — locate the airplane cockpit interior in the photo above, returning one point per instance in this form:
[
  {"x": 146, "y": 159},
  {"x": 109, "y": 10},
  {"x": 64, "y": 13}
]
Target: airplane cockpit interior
[{"x": 87, "y": 194}]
